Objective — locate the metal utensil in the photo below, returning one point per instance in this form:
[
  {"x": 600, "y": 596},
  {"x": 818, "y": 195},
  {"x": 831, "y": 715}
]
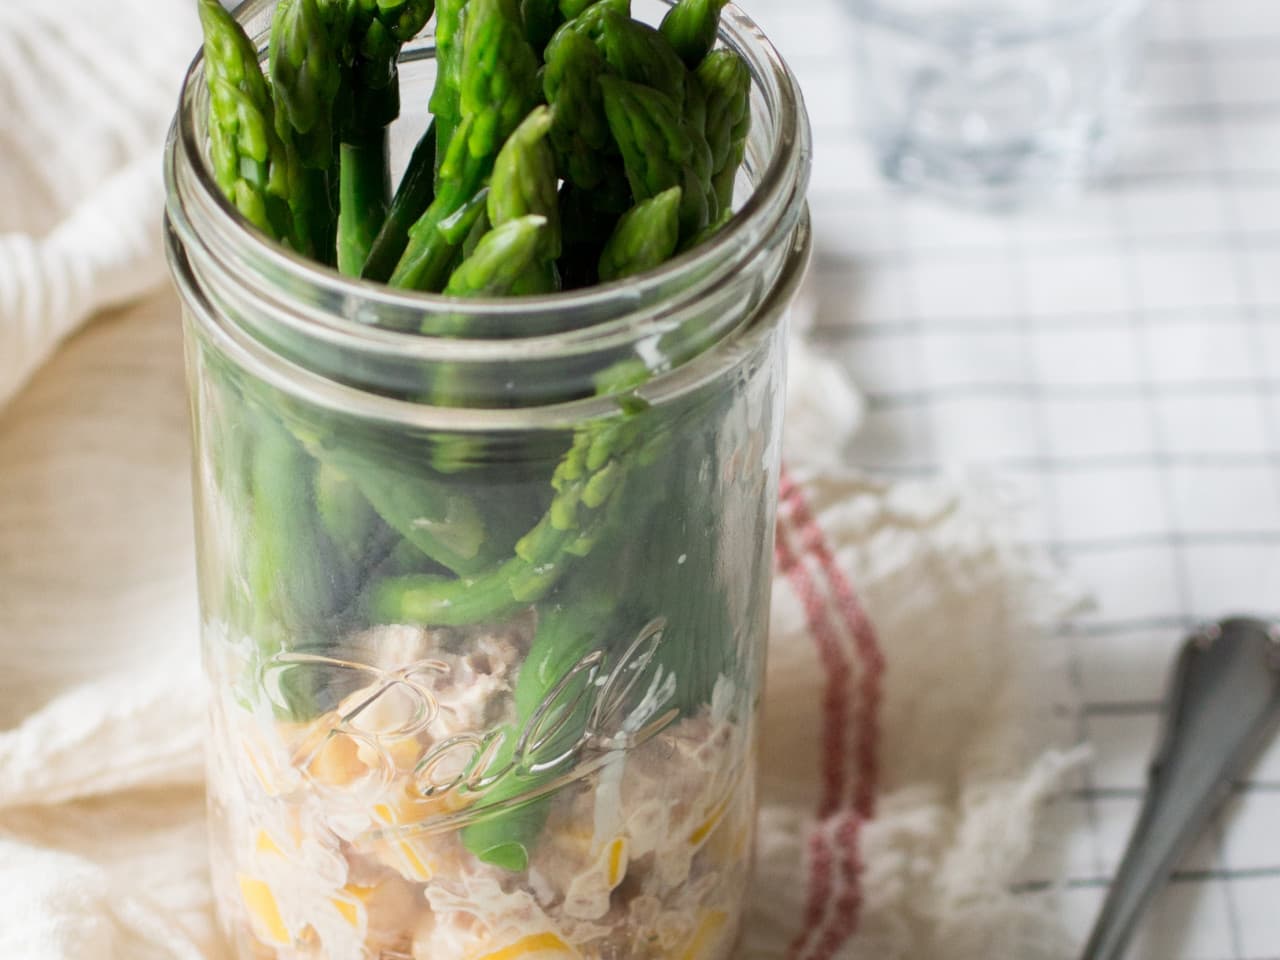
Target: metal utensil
[{"x": 1224, "y": 704}]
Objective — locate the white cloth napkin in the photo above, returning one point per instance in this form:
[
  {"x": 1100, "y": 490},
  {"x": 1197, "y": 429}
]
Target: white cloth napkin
[{"x": 902, "y": 763}]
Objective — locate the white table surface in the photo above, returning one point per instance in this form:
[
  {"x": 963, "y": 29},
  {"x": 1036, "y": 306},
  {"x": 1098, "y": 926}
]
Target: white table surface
[{"x": 1117, "y": 363}]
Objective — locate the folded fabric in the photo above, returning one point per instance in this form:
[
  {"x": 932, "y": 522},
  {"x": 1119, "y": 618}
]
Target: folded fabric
[{"x": 87, "y": 90}]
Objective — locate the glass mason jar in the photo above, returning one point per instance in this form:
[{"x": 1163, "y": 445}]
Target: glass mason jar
[{"x": 485, "y": 678}]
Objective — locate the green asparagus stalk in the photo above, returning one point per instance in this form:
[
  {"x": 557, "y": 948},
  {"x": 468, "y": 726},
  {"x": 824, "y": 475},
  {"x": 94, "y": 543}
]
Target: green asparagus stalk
[
  {"x": 575, "y": 8},
  {"x": 701, "y": 160},
  {"x": 402, "y": 20},
  {"x": 515, "y": 254},
  {"x": 305, "y": 63},
  {"x": 726, "y": 80},
  {"x": 596, "y": 611},
  {"x": 344, "y": 513},
  {"x": 364, "y": 199},
  {"x": 501, "y": 259},
  {"x": 370, "y": 103},
  {"x": 541, "y": 20},
  {"x": 568, "y": 630},
  {"x": 295, "y": 580},
  {"x": 645, "y": 238},
  {"x": 445, "y": 522},
  {"x": 305, "y": 66},
  {"x": 656, "y": 146},
  {"x": 479, "y": 229},
  {"x": 592, "y": 480},
  {"x": 524, "y": 180},
  {"x": 524, "y": 184},
  {"x": 497, "y": 91},
  {"x": 497, "y": 77},
  {"x": 416, "y": 191},
  {"x": 680, "y": 555},
  {"x": 376, "y": 31},
  {"x": 584, "y": 484},
  {"x": 683, "y": 562},
  {"x": 638, "y": 53},
  {"x": 580, "y": 129},
  {"x": 709, "y": 231},
  {"x": 257, "y": 171},
  {"x": 446, "y": 98},
  {"x": 691, "y": 27},
  {"x": 435, "y": 238}
]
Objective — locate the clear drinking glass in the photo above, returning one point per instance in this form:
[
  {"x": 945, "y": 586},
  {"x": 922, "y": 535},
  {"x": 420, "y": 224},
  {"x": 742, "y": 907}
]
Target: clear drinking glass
[
  {"x": 485, "y": 677},
  {"x": 993, "y": 102}
]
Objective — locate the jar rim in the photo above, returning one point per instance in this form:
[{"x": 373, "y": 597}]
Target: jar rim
[
  {"x": 773, "y": 210},
  {"x": 321, "y": 392}
]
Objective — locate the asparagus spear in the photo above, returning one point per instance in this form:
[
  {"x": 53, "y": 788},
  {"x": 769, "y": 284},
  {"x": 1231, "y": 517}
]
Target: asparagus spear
[
  {"x": 454, "y": 528},
  {"x": 254, "y": 167},
  {"x": 501, "y": 259},
  {"x": 709, "y": 231},
  {"x": 580, "y": 130},
  {"x": 585, "y": 482},
  {"x": 497, "y": 91},
  {"x": 588, "y": 612},
  {"x": 524, "y": 183},
  {"x": 295, "y": 576},
  {"x": 364, "y": 193},
  {"x": 524, "y": 179},
  {"x": 401, "y": 20},
  {"x": 333, "y": 62},
  {"x": 568, "y": 629},
  {"x": 345, "y": 514},
  {"x": 574, "y": 8},
  {"x": 377, "y": 31},
  {"x": 446, "y": 98},
  {"x": 516, "y": 255},
  {"x": 497, "y": 76},
  {"x": 691, "y": 27},
  {"x": 641, "y": 54},
  {"x": 701, "y": 160},
  {"x": 541, "y": 20},
  {"x": 727, "y": 82},
  {"x": 413, "y": 196},
  {"x": 645, "y": 237},
  {"x": 683, "y": 564},
  {"x": 648, "y": 129},
  {"x": 305, "y": 66},
  {"x": 572, "y": 622},
  {"x": 306, "y": 71},
  {"x": 656, "y": 146}
]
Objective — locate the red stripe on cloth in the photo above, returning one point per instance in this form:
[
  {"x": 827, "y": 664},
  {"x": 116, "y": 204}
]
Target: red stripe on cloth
[
  {"x": 845, "y": 912},
  {"x": 837, "y": 675},
  {"x": 836, "y": 679},
  {"x": 834, "y": 908},
  {"x": 866, "y": 643},
  {"x": 821, "y": 887}
]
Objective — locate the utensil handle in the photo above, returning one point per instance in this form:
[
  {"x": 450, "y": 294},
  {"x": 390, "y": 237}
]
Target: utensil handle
[
  {"x": 1169, "y": 824},
  {"x": 1223, "y": 706}
]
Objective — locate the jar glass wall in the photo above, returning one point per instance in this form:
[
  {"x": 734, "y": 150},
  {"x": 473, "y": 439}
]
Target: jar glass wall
[{"x": 485, "y": 677}]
